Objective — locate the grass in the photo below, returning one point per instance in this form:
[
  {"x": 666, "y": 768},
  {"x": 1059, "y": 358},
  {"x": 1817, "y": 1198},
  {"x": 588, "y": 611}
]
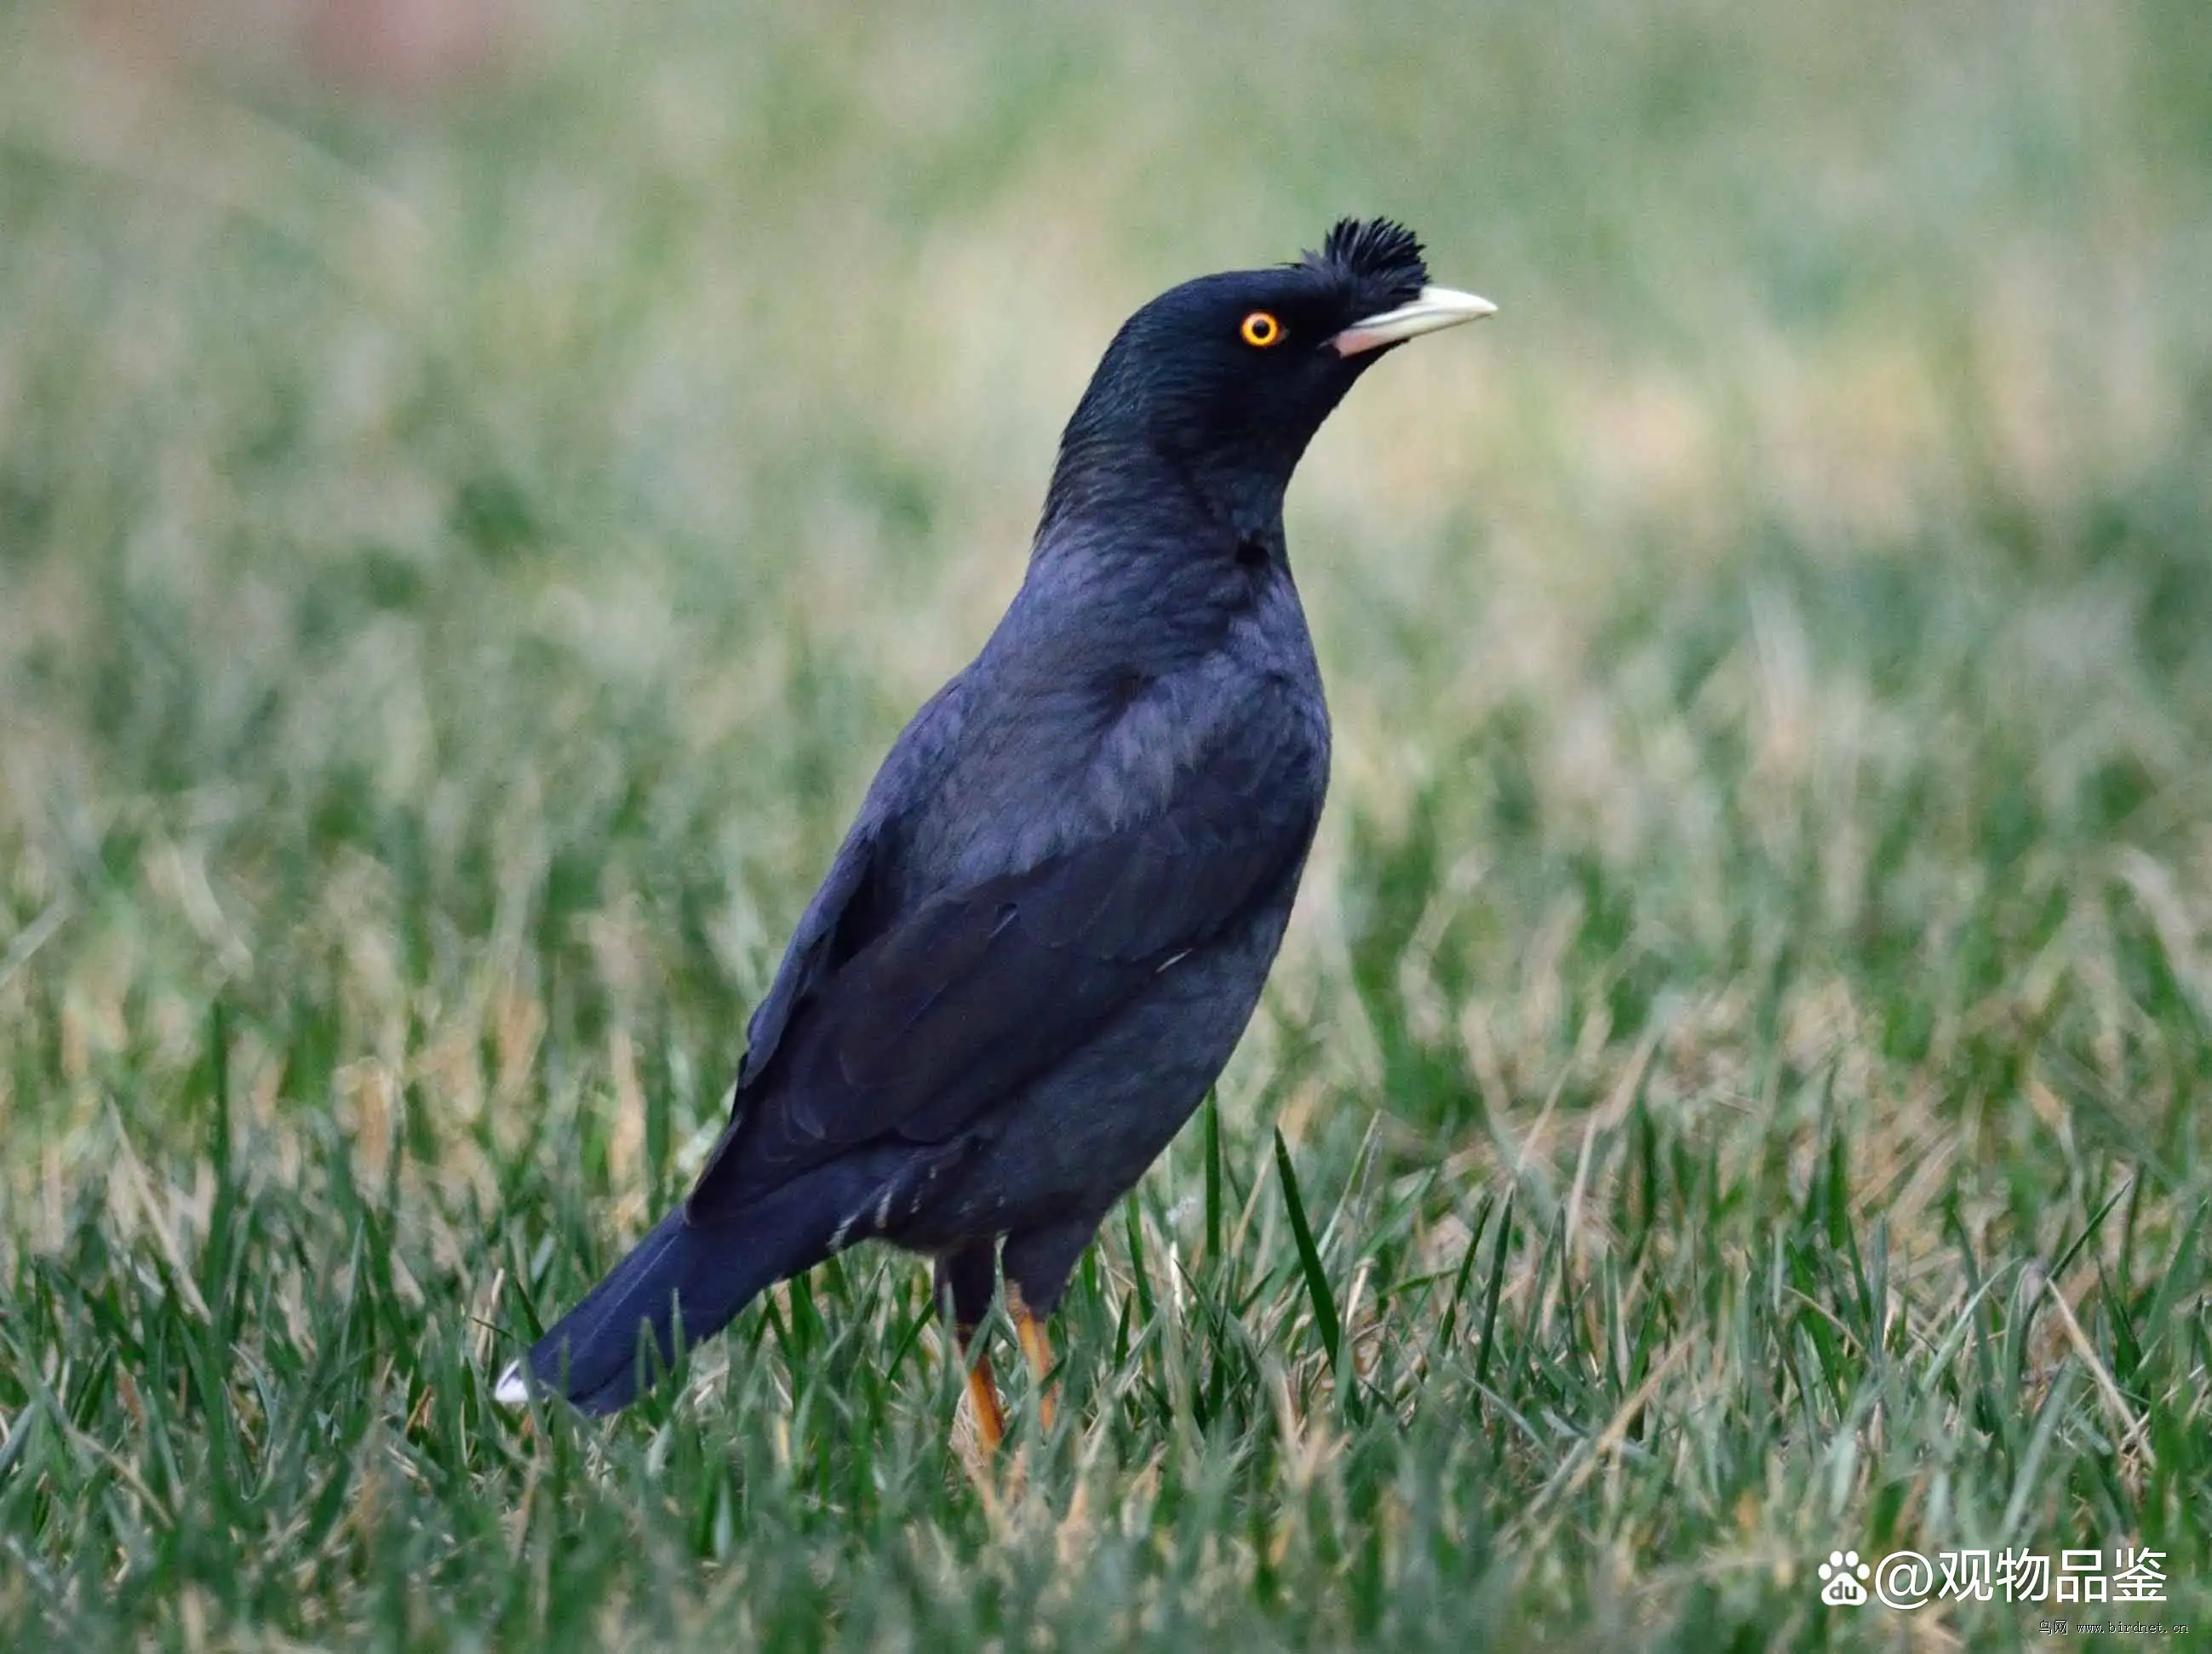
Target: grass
[{"x": 1735, "y": 1086}]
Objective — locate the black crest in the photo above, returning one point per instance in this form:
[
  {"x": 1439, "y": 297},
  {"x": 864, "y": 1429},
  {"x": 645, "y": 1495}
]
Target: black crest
[{"x": 1376, "y": 255}]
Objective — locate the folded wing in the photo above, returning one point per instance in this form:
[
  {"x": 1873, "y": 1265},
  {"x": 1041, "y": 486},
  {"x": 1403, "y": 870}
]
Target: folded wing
[{"x": 955, "y": 1004}]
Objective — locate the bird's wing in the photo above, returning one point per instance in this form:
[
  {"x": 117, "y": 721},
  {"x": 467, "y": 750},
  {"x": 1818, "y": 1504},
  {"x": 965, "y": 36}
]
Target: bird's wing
[
  {"x": 978, "y": 989},
  {"x": 812, "y": 950},
  {"x": 843, "y": 914}
]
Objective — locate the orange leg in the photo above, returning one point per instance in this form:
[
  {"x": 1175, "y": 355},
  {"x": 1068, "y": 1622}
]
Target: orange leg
[
  {"x": 1036, "y": 1348},
  {"x": 983, "y": 1396}
]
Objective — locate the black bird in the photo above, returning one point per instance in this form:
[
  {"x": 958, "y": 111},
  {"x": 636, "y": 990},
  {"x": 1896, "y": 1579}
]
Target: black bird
[{"x": 1047, "y": 929}]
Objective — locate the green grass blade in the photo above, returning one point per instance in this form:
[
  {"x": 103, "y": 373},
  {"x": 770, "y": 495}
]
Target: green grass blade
[{"x": 1318, "y": 1295}]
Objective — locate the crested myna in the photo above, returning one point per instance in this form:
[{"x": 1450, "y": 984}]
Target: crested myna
[{"x": 1047, "y": 928}]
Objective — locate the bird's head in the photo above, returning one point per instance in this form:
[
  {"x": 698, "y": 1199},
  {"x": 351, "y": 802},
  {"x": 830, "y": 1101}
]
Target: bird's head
[{"x": 1222, "y": 381}]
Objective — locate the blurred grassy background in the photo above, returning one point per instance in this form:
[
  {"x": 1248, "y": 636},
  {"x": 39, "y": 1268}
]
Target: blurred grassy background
[{"x": 462, "y": 556}]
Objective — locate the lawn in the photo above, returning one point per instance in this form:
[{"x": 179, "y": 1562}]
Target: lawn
[{"x": 1736, "y": 1086}]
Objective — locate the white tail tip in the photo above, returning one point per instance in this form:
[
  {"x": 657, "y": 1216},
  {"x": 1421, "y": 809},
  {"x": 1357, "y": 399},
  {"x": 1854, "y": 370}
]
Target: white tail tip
[{"x": 513, "y": 1389}]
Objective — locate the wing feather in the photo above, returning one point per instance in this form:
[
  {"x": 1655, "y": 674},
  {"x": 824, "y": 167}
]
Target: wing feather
[{"x": 976, "y": 991}]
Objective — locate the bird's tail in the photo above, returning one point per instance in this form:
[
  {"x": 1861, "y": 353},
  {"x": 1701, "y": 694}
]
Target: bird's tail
[{"x": 697, "y": 1277}]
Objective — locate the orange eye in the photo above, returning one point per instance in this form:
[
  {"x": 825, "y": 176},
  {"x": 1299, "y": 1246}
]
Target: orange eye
[{"x": 1262, "y": 329}]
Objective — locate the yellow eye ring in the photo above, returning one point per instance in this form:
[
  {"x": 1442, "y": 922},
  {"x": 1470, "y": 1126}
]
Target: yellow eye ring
[{"x": 1262, "y": 329}]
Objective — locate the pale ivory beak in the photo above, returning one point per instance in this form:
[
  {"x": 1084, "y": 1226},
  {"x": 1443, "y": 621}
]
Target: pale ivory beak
[{"x": 1437, "y": 307}]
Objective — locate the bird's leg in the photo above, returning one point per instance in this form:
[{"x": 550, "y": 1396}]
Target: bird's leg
[
  {"x": 963, "y": 1283},
  {"x": 1037, "y": 1348},
  {"x": 1037, "y": 1262},
  {"x": 983, "y": 1396}
]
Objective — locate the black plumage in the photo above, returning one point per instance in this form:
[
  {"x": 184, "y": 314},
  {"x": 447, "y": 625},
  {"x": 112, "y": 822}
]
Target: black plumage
[{"x": 1052, "y": 919}]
